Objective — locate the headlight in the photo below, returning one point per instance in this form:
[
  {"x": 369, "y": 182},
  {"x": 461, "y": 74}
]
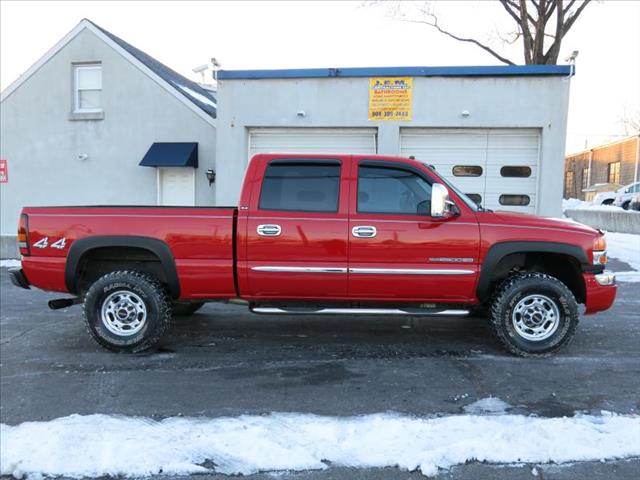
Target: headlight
[{"x": 599, "y": 250}]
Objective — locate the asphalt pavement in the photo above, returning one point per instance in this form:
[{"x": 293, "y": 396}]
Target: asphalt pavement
[{"x": 223, "y": 361}]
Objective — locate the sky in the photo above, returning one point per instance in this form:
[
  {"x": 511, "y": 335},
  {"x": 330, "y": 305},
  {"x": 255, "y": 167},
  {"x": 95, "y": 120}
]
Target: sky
[{"x": 246, "y": 35}]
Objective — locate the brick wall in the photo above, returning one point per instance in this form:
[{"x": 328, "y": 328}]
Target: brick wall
[{"x": 624, "y": 151}]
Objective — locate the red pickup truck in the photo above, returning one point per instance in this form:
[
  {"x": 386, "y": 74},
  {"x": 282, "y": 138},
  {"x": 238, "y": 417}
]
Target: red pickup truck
[{"x": 320, "y": 234}]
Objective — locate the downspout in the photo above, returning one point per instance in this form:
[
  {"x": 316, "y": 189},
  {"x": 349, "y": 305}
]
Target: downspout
[{"x": 635, "y": 173}]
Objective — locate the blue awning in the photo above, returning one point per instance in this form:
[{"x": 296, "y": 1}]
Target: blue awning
[{"x": 171, "y": 154}]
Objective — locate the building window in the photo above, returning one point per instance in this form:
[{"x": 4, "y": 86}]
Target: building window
[
  {"x": 515, "y": 171},
  {"x": 568, "y": 183},
  {"x": 392, "y": 191},
  {"x": 519, "y": 200},
  {"x": 87, "y": 80},
  {"x": 467, "y": 170},
  {"x": 585, "y": 177},
  {"x": 301, "y": 186},
  {"x": 613, "y": 172}
]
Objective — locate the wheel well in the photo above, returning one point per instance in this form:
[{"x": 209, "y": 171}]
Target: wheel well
[
  {"x": 561, "y": 266},
  {"x": 99, "y": 261}
]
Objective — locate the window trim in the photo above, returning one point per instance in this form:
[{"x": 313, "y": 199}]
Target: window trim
[
  {"x": 453, "y": 171},
  {"x": 528, "y": 197},
  {"x": 77, "y": 67},
  {"x": 329, "y": 162},
  {"x": 389, "y": 166},
  {"x": 528, "y": 167}
]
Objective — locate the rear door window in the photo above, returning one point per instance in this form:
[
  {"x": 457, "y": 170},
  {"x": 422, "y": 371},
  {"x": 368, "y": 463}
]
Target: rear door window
[{"x": 301, "y": 186}]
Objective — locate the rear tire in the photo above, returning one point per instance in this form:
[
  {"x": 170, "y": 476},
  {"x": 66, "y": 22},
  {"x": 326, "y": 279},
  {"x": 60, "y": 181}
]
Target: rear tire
[
  {"x": 608, "y": 201},
  {"x": 534, "y": 314},
  {"x": 184, "y": 309},
  {"x": 127, "y": 311}
]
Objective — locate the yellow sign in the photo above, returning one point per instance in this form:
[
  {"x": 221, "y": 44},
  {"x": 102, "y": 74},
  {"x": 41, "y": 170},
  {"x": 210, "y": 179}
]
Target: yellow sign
[{"x": 390, "y": 98}]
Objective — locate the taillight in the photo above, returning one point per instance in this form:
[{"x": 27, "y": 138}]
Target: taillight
[{"x": 23, "y": 234}]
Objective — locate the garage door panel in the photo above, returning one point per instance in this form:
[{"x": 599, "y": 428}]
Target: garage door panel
[
  {"x": 490, "y": 149},
  {"x": 312, "y": 140}
]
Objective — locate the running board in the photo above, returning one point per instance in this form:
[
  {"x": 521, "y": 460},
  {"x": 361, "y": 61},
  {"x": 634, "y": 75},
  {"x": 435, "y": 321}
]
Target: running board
[{"x": 361, "y": 311}]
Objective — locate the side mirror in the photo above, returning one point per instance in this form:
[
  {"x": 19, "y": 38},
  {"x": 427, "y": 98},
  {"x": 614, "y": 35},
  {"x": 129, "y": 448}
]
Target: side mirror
[{"x": 440, "y": 203}]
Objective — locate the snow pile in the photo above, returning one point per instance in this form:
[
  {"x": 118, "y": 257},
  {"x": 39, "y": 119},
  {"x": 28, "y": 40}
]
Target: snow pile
[
  {"x": 626, "y": 248},
  {"x": 575, "y": 204},
  {"x": 10, "y": 263},
  {"x": 98, "y": 445},
  {"x": 198, "y": 96}
]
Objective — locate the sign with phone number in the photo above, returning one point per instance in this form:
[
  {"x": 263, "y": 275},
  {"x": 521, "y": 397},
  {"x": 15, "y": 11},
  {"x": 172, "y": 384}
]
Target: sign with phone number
[{"x": 391, "y": 98}]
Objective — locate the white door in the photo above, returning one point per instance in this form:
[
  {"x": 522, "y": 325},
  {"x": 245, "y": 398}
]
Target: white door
[
  {"x": 176, "y": 186},
  {"x": 312, "y": 140},
  {"x": 497, "y": 167}
]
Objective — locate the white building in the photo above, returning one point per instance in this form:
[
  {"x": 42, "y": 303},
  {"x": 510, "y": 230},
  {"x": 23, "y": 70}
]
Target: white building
[
  {"x": 77, "y": 125},
  {"x": 496, "y": 132}
]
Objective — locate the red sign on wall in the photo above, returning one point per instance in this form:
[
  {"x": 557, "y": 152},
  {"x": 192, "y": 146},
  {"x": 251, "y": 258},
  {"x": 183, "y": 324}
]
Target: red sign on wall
[{"x": 4, "y": 171}]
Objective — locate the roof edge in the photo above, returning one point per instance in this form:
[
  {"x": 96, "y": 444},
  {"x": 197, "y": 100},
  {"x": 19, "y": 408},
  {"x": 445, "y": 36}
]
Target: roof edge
[
  {"x": 604, "y": 145},
  {"x": 457, "y": 71}
]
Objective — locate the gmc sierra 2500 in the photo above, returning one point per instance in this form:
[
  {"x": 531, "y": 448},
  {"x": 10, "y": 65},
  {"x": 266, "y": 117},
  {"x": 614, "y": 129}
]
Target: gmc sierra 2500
[{"x": 320, "y": 234}]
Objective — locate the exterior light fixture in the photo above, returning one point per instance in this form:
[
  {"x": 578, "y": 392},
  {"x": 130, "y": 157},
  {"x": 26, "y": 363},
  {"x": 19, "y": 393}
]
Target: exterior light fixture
[
  {"x": 465, "y": 113},
  {"x": 301, "y": 113},
  {"x": 211, "y": 176}
]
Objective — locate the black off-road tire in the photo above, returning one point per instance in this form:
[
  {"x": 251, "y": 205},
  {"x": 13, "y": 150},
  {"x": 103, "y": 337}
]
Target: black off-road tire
[
  {"x": 184, "y": 309},
  {"x": 516, "y": 288},
  {"x": 146, "y": 288}
]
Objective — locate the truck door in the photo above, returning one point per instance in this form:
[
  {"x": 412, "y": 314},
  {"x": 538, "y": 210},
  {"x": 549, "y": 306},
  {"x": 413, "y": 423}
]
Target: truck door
[
  {"x": 397, "y": 250},
  {"x": 297, "y": 228}
]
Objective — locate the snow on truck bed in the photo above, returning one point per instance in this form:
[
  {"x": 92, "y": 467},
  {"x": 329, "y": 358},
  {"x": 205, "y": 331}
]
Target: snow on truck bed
[{"x": 97, "y": 445}]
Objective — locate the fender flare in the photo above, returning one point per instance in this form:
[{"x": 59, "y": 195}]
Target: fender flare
[
  {"x": 500, "y": 250},
  {"x": 159, "y": 248}
]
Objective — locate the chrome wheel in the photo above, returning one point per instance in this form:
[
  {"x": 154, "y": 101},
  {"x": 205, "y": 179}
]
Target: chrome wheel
[
  {"x": 536, "y": 317},
  {"x": 123, "y": 313}
]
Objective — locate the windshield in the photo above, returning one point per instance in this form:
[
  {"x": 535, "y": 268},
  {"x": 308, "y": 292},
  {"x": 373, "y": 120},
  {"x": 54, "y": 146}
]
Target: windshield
[{"x": 470, "y": 203}]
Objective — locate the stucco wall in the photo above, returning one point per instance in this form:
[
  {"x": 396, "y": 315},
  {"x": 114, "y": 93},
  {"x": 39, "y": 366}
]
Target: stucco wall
[
  {"x": 493, "y": 102},
  {"x": 42, "y": 145}
]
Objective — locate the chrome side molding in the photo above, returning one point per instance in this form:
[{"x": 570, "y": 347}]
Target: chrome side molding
[
  {"x": 269, "y": 268},
  {"x": 411, "y": 271},
  {"x": 364, "y": 271}
]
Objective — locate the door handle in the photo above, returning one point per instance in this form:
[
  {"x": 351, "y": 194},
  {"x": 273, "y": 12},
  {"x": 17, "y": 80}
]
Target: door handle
[
  {"x": 364, "y": 231},
  {"x": 269, "y": 230}
]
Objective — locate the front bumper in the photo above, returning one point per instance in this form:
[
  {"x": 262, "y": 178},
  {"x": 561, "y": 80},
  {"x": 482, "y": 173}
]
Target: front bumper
[
  {"x": 18, "y": 279},
  {"x": 601, "y": 291}
]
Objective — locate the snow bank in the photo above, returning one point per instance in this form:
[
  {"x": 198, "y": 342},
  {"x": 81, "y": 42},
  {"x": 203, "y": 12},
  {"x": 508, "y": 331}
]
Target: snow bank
[
  {"x": 9, "y": 263},
  {"x": 575, "y": 204},
  {"x": 625, "y": 247},
  {"x": 97, "y": 445}
]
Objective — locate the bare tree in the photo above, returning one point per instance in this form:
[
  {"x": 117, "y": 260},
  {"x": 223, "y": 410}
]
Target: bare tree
[
  {"x": 630, "y": 120},
  {"x": 539, "y": 24}
]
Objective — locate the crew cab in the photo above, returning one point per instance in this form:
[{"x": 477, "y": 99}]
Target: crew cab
[{"x": 320, "y": 234}]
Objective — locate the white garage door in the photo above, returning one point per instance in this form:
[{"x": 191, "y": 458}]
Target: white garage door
[
  {"x": 498, "y": 167},
  {"x": 176, "y": 186},
  {"x": 312, "y": 140}
]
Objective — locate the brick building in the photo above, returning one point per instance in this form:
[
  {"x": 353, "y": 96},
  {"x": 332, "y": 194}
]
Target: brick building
[{"x": 605, "y": 167}]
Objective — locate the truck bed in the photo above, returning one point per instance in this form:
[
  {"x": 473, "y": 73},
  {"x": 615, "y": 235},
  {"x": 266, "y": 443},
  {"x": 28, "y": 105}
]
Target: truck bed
[{"x": 200, "y": 240}]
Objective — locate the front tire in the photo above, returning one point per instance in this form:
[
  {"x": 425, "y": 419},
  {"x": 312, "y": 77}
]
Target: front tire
[
  {"x": 534, "y": 314},
  {"x": 625, "y": 205},
  {"x": 127, "y": 311}
]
